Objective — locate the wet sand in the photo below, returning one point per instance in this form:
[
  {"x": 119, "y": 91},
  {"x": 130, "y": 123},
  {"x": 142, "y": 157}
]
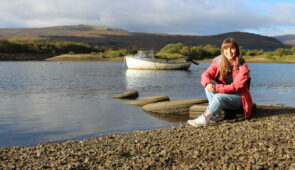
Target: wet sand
[{"x": 266, "y": 141}]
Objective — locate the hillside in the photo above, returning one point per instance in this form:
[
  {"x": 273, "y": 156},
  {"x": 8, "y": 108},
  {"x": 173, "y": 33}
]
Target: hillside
[
  {"x": 288, "y": 39},
  {"x": 76, "y": 30},
  {"x": 114, "y": 37}
]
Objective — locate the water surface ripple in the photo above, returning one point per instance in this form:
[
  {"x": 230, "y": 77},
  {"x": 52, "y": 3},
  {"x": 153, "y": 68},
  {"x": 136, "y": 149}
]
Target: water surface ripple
[{"x": 48, "y": 102}]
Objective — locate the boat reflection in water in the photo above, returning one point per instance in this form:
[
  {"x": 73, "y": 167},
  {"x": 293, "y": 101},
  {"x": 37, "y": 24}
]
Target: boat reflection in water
[
  {"x": 141, "y": 79},
  {"x": 162, "y": 79},
  {"x": 147, "y": 80}
]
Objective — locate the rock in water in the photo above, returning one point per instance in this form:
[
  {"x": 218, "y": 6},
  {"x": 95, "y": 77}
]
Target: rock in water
[
  {"x": 147, "y": 100},
  {"x": 127, "y": 95},
  {"x": 177, "y": 107}
]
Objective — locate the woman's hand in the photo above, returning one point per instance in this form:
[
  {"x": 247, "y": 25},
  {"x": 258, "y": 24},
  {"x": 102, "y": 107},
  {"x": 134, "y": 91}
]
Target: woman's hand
[{"x": 210, "y": 87}]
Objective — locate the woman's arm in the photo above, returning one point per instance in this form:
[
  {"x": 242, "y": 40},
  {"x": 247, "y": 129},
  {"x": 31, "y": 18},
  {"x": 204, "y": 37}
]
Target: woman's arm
[{"x": 209, "y": 74}]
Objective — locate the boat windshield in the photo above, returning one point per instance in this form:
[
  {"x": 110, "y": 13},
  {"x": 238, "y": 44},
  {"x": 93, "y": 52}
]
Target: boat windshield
[{"x": 145, "y": 54}]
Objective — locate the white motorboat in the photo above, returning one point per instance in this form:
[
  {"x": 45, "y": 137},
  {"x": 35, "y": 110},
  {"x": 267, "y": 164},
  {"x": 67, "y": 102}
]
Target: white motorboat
[{"x": 145, "y": 60}]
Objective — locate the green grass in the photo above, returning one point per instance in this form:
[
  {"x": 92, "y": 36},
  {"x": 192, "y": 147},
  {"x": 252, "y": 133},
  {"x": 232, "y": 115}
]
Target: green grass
[{"x": 275, "y": 59}]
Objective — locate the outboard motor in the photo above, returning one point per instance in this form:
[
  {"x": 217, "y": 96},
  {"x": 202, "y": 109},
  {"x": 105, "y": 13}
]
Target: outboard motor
[{"x": 190, "y": 59}]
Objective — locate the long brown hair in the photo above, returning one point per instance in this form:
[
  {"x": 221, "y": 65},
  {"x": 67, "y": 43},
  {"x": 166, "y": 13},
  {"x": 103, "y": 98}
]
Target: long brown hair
[{"x": 225, "y": 64}]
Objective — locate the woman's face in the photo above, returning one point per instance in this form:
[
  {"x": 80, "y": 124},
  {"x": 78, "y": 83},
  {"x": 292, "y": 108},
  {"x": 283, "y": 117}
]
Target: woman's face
[{"x": 230, "y": 52}]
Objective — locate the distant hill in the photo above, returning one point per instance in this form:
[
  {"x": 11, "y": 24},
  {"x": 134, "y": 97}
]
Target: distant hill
[
  {"x": 114, "y": 37},
  {"x": 288, "y": 39},
  {"x": 76, "y": 30}
]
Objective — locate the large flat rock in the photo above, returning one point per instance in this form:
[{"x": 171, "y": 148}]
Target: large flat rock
[
  {"x": 177, "y": 107},
  {"x": 148, "y": 100}
]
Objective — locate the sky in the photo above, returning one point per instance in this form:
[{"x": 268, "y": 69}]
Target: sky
[{"x": 189, "y": 17}]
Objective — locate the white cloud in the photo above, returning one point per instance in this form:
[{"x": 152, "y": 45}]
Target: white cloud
[
  {"x": 203, "y": 17},
  {"x": 283, "y": 13}
]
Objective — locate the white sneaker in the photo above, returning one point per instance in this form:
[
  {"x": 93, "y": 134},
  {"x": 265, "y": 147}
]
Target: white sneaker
[{"x": 200, "y": 121}]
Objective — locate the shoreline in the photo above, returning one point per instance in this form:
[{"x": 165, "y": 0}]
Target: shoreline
[
  {"x": 92, "y": 57},
  {"x": 265, "y": 141}
]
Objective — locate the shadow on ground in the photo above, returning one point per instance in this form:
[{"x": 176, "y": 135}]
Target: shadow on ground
[{"x": 272, "y": 110}]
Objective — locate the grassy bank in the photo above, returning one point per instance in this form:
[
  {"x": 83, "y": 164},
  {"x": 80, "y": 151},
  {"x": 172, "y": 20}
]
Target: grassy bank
[
  {"x": 83, "y": 57},
  {"x": 259, "y": 59},
  {"x": 23, "y": 56}
]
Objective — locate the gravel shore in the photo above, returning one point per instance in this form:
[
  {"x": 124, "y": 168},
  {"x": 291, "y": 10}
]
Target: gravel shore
[{"x": 267, "y": 141}]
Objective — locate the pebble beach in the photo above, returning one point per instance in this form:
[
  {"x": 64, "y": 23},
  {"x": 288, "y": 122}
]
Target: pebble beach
[{"x": 266, "y": 141}]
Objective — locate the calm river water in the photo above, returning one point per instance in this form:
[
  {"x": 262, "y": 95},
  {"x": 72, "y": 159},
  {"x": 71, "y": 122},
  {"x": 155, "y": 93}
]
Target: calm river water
[{"x": 49, "y": 101}]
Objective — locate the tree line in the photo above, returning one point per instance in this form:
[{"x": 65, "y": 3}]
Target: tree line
[
  {"x": 47, "y": 47},
  {"x": 169, "y": 51},
  {"x": 179, "y": 50}
]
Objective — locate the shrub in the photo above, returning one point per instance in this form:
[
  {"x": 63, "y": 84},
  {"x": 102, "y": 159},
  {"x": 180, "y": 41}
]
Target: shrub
[
  {"x": 166, "y": 55},
  {"x": 173, "y": 48},
  {"x": 116, "y": 53}
]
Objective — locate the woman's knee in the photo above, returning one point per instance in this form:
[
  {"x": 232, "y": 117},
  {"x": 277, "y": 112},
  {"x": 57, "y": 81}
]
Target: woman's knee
[
  {"x": 218, "y": 97},
  {"x": 209, "y": 95}
]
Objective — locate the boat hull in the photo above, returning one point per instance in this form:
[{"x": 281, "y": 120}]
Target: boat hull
[{"x": 146, "y": 64}]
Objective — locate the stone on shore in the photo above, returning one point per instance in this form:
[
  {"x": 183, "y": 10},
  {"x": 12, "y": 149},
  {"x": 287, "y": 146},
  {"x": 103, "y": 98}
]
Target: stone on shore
[
  {"x": 147, "y": 100},
  {"x": 176, "y": 107},
  {"x": 127, "y": 95}
]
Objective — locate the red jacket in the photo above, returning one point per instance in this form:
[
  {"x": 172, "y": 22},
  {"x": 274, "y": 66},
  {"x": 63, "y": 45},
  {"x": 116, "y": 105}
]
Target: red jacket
[{"x": 240, "y": 75}]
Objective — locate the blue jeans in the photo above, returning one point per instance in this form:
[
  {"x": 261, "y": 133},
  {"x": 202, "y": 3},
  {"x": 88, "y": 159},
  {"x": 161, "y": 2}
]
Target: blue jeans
[{"x": 218, "y": 101}]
